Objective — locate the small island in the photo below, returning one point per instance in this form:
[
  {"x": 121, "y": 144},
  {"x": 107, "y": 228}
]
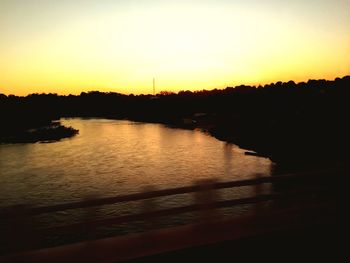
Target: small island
[
  {"x": 50, "y": 133},
  {"x": 22, "y": 122}
]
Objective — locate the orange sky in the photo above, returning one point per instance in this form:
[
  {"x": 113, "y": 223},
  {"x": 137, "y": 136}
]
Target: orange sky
[{"x": 72, "y": 46}]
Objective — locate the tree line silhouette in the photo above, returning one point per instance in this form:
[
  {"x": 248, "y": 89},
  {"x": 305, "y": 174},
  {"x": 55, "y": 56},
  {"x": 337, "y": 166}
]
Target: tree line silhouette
[{"x": 298, "y": 124}]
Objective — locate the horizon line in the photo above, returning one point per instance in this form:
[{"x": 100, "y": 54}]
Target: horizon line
[{"x": 193, "y": 91}]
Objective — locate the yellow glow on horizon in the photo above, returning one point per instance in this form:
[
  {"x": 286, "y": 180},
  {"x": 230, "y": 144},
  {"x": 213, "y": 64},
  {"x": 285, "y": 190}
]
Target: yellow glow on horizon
[{"x": 187, "y": 47}]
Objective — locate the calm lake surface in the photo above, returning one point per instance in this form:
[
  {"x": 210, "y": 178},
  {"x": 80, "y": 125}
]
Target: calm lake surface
[{"x": 116, "y": 157}]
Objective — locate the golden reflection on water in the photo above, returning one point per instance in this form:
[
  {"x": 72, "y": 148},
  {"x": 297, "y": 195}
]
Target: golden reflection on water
[{"x": 114, "y": 157}]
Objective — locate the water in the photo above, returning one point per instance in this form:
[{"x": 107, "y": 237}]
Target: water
[{"x": 116, "y": 157}]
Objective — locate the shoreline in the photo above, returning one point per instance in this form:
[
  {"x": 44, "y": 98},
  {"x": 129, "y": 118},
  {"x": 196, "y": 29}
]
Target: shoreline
[{"x": 287, "y": 157}]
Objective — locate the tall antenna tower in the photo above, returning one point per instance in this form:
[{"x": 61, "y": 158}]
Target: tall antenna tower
[{"x": 154, "y": 87}]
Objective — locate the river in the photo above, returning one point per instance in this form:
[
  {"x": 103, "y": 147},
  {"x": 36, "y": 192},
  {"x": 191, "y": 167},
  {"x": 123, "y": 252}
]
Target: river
[{"x": 115, "y": 157}]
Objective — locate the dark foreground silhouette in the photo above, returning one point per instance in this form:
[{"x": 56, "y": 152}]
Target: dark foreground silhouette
[{"x": 300, "y": 125}]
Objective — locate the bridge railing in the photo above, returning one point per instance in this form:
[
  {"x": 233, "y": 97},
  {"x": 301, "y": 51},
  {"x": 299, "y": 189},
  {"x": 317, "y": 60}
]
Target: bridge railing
[
  {"x": 205, "y": 202},
  {"x": 199, "y": 186}
]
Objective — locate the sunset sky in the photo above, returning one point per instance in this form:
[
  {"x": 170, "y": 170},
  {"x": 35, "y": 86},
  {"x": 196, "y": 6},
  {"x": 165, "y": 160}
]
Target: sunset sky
[{"x": 70, "y": 46}]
